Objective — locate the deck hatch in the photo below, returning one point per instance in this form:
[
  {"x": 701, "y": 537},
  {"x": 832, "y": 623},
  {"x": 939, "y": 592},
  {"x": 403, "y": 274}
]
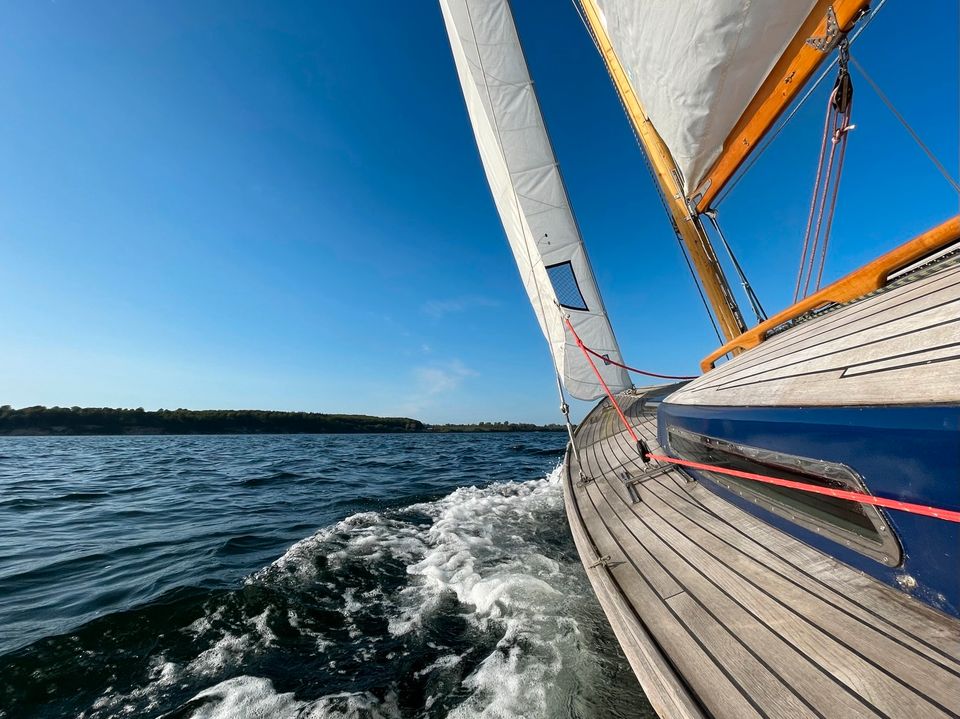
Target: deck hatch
[{"x": 860, "y": 527}]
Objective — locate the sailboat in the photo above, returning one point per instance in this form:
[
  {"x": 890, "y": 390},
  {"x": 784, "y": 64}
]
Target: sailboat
[{"x": 780, "y": 535}]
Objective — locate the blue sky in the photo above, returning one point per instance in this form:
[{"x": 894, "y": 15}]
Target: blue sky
[{"x": 279, "y": 205}]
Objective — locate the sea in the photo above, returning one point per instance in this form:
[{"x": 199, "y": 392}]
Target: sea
[{"x": 298, "y": 576}]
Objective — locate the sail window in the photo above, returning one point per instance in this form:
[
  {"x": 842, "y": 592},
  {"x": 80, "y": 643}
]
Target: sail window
[
  {"x": 565, "y": 286},
  {"x": 860, "y": 527}
]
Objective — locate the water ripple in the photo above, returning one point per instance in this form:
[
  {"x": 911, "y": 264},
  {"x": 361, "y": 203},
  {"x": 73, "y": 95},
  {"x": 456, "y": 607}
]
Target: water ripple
[{"x": 294, "y": 576}]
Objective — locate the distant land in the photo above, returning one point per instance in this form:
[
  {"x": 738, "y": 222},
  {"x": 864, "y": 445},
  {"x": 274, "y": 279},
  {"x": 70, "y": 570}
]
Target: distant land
[{"x": 108, "y": 421}]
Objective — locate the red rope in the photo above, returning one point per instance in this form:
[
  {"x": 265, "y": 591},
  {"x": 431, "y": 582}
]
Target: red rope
[
  {"x": 633, "y": 369},
  {"x": 586, "y": 353},
  {"x": 922, "y": 509},
  {"x": 925, "y": 510}
]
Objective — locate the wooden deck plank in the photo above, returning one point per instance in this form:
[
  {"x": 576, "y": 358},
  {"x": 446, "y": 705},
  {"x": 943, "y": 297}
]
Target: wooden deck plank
[
  {"x": 705, "y": 529},
  {"x": 664, "y": 689},
  {"x": 745, "y": 647},
  {"x": 706, "y": 677},
  {"x": 920, "y": 622},
  {"x": 802, "y": 671},
  {"x": 709, "y": 530},
  {"x": 908, "y": 336},
  {"x": 872, "y": 664},
  {"x": 910, "y": 299}
]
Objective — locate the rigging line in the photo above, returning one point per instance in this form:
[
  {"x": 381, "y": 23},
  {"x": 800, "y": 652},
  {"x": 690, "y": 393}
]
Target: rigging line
[
  {"x": 641, "y": 447},
  {"x": 948, "y": 515},
  {"x": 755, "y": 305},
  {"x": 906, "y": 125},
  {"x": 656, "y": 183},
  {"x": 813, "y": 200},
  {"x": 831, "y": 184},
  {"x": 696, "y": 282},
  {"x": 722, "y": 195},
  {"x": 565, "y": 410},
  {"x": 607, "y": 360},
  {"x": 833, "y": 200}
]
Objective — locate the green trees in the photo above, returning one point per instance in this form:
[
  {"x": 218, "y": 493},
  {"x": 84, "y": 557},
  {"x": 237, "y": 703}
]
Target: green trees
[{"x": 106, "y": 420}]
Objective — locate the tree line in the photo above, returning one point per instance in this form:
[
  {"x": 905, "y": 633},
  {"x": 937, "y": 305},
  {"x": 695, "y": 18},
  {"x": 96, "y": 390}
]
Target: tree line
[
  {"x": 40, "y": 420},
  {"x": 107, "y": 420}
]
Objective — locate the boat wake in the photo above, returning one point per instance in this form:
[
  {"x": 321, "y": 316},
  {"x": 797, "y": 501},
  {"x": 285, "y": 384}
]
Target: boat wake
[{"x": 473, "y": 605}]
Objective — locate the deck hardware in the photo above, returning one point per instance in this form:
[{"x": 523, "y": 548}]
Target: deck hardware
[
  {"x": 584, "y": 480},
  {"x": 831, "y": 34},
  {"x": 643, "y": 450},
  {"x": 603, "y": 561},
  {"x": 655, "y": 471},
  {"x": 635, "y": 497}
]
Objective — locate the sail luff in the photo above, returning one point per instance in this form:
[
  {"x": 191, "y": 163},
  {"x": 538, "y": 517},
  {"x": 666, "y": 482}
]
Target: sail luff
[
  {"x": 793, "y": 70},
  {"x": 528, "y": 190},
  {"x": 690, "y": 230}
]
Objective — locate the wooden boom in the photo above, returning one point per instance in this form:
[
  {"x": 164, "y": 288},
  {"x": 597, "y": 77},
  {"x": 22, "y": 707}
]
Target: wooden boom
[{"x": 798, "y": 62}]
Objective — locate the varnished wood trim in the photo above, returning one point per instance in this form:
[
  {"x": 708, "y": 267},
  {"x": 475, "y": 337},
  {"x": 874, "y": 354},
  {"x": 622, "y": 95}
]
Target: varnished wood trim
[
  {"x": 860, "y": 282},
  {"x": 795, "y": 66}
]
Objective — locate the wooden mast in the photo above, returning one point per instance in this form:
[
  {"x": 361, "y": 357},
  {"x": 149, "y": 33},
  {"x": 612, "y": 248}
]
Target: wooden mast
[{"x": 688, "y": 226}]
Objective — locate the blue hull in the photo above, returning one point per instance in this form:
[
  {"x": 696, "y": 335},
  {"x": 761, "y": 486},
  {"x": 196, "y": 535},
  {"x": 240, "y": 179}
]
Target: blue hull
[{"x": 900, "y": 452}]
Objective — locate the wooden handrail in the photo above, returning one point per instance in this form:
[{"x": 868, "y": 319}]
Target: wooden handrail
[{"x": 866, "y": 279}]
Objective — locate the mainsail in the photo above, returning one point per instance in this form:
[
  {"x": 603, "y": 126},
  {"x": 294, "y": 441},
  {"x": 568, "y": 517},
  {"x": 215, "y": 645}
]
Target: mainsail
[
  {"x": 695, "y": 66},
  {"x": 529, "y": 192}
]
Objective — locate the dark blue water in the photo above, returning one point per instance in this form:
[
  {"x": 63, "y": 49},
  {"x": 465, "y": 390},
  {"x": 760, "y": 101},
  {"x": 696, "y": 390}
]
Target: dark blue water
[{"x": 297, "y": 576}]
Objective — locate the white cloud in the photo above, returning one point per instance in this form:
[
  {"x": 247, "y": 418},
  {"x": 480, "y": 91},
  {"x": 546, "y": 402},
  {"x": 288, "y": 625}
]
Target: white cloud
[
  {"x": 441, "y": 378},
  {"x": 441, "y": 308},
  {"x": 432, "y": 384}
]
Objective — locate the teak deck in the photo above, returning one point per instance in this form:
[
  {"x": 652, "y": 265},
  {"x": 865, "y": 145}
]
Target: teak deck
[
  {"x": 722, "y": 615},
  {"x": 906, "y": 336}
]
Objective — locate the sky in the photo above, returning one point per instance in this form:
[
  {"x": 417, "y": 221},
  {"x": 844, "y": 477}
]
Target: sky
[{"x": 279, "y": 205}]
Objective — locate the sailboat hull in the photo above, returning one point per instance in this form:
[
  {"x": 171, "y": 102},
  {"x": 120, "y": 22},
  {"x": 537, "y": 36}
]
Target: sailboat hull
[
  {"x": 862, "y": 397},
  {"x": 723, "y": 614},
  {"x": 907, "y": 453}
]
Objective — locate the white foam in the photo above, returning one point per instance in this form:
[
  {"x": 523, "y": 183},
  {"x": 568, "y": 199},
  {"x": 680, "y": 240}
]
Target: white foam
[
  {"x": 481, "y": 546},
  {"x": 255, "y": 698},
  {"x": 231, "y": 649}
]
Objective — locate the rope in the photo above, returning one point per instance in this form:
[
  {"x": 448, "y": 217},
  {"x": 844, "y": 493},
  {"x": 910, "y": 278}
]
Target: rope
[
  {"x": 606, "y": 359},
  {"x": 886, "y": 101},
  {"x": 616, "y": 405},
  {"x": 826, "y": 186},
  {"x": 922, "y": 509}
]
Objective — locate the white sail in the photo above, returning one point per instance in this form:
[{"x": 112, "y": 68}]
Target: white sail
[
  {"x": 696, "y": 65},
  {"x": 529, "y": 192}
]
